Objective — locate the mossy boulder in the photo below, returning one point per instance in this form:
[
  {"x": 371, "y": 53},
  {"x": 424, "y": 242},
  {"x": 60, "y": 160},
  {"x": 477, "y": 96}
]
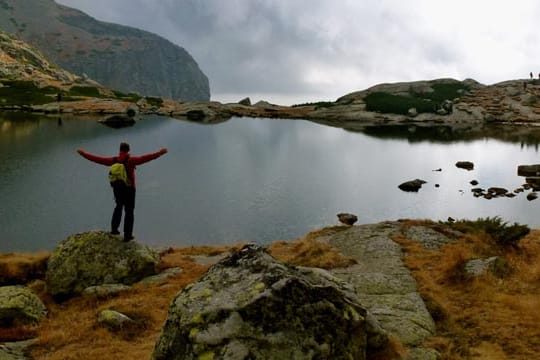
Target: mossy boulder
[
  {"x": 97, "y": 258},
  {"x": 251, "y": 306},
  {"x": 19, "y": 305}
]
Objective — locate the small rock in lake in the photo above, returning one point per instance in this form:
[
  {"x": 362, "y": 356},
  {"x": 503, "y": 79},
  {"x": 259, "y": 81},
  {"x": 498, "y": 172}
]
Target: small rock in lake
[
  {"x": 467, "y": 165},
  {"x": 412, "y": 185},
  {"x": 347, "y": 219},
  {"x": 532, "y": 196},
  {"x": 439, "y": 169},
  {"x": 474, "y": 182},
  {"x": 437, "y": 185},
  {"x": 497, "y": 191}
]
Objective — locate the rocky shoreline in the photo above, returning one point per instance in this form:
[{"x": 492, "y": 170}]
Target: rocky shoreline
[{"x": 514, "y": 102}]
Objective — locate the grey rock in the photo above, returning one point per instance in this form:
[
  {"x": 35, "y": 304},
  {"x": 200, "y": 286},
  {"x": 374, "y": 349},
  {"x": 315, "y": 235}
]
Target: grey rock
[
  {"x": 245, "y": 101},
  {"x": 532, "y": 196},
  {"x": 382, "y": 282},
  {"x": 533, "y": 182},
  {"x": 113, "y": 319},
  {"x": 347, "y": 219},
  {"x": 412, "y": 185},
  {"x": 17, "y": 350},
  {"x": 19, "y": 305},
  {"x": 529, "y": 170},
  {"x": 428, "y": 237},
  {"x": 251, "y": 306},
  {"x": 467, "y": 165},
  {"x": 442, "y": 111},
  {"x": 412, "y": 112},
  {"x": 118, "y": 121},
  {"x": 97, "y": 258},
  {"x": 106, "y": 290},
  {"x": 498, "y": 191},
  {"x": 477, "y": 267}
]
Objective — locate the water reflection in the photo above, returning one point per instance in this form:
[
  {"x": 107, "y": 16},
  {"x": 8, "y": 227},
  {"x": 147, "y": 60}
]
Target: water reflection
[
  {"x": 524, "y": 135},
  {"x": 245, "y": 179}
]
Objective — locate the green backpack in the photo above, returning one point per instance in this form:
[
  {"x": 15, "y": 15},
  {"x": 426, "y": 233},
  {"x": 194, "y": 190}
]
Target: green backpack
[{"x": 118, "y": 173}]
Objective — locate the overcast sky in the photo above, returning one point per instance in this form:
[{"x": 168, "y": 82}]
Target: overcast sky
[{"x": 292, "y": 51}]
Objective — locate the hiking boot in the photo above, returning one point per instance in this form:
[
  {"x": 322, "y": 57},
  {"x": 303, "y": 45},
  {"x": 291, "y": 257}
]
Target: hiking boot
[
  {"x": 115, "y": 232},
  {"x": 128, "y": 238}
]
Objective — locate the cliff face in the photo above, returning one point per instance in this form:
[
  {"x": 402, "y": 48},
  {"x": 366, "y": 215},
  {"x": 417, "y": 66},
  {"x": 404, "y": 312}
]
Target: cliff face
[{"x": 119, "y": 57}]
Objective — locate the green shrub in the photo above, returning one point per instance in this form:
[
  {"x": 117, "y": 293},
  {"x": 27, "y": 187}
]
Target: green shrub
[
  {"x": 154, "y": 101},
  {"x": 397, "y": 104},
  {"x": 503, "y": 234},
  {"x": 87, "y": 91},
  {"x": 128, "y": 97},
  {"x": 318, "y": 105},
  {"x": 18, "y": 92},
  {"x": 445, "y": 91},
  {"x": 423, "y": 103}
]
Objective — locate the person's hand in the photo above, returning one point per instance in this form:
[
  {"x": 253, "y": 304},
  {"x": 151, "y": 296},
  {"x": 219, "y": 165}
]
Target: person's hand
[
  {"x": 163, "y": 151},
  {"x": 80, "y": 151}
]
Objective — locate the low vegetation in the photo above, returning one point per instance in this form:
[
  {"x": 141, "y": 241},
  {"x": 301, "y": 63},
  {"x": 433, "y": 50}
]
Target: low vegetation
[
  {"x": 428, "y": 102},
  {"x": 71, "y": 331},
  {"x": 25, "y": 92},
  {"x": 493, "y": 316},
  {"x": 317, "y": 105},
  {"x": 20, "y": 92}
]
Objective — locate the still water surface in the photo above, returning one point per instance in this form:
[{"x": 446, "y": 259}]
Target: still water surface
[{"x": 243, "y": 180}]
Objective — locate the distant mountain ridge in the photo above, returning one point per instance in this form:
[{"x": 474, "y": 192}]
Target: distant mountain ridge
[{"x": 119, "y": 57}]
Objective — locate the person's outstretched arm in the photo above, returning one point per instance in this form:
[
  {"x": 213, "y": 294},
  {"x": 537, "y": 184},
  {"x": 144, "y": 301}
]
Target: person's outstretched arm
[
  {"x": 138, "y": 160},
  {"x": 95, "y": 158}
]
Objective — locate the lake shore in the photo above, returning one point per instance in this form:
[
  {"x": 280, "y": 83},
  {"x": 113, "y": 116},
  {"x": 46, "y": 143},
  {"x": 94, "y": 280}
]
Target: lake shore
[
  {"x": 435, "y": 254},
  {"x": 420, "y": 103}
]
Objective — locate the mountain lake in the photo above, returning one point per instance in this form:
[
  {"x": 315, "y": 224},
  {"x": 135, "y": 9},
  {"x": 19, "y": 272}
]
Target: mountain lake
[{"x": 244, "y": 180}]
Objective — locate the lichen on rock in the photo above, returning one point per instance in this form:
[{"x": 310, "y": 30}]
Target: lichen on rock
[
  {"x": 97, "y": 258},
  {"x": 19, "y": 305},
  {"x": 251, "y": 306}
]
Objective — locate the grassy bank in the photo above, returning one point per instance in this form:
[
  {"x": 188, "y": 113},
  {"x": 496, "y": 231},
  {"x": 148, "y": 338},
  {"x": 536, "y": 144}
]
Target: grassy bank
[{"x": 493, "y": 316}]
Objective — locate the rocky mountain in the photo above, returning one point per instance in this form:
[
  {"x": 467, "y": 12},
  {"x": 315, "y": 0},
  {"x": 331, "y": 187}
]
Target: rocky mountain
[{"x": 119, "y": 57}]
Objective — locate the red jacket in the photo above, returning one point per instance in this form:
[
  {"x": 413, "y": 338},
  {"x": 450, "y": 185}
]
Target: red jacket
[{"x": 130, "y": 164}]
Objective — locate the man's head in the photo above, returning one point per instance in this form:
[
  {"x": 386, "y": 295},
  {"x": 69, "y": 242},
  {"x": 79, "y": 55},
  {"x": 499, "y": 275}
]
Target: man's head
[{"x": 124, "y": 147}]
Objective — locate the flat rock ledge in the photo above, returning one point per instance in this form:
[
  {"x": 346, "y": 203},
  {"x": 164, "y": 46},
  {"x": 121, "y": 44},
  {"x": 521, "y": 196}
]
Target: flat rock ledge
[{"x": 385, "y": 285}]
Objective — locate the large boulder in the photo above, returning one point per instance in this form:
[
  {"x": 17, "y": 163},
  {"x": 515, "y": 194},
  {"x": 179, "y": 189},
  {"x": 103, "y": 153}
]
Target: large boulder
[
  {"x": 19, "y": 305},
  {"x": 97, "y": 258},
  {"x": 251, "y": 306}
]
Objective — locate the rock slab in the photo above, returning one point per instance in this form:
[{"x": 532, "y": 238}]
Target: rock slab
[
  {"x": 251, "y": 306},
  {"x": 97, "y": 258},
  {"x": 383, "y": 282}
]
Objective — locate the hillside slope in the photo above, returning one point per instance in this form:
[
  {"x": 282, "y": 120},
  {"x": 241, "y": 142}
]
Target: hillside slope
[{"x": 119, "y": 57}]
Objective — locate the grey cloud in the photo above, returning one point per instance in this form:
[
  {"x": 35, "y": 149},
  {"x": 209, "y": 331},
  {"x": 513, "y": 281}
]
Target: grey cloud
[{"x": 323, "y": 47}]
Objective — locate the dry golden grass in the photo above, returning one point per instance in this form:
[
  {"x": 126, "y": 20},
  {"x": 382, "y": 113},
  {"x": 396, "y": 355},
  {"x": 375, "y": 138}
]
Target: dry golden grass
[
  {"x": 21, "y": 268},
  {"x": 308, "y": 251},
  {"x": 487, "y": 317},
  {"x": 71, "y": 330}
]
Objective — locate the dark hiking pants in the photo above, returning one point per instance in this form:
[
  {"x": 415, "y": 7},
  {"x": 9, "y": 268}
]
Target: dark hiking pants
[{"x": 124, "y": 196}]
